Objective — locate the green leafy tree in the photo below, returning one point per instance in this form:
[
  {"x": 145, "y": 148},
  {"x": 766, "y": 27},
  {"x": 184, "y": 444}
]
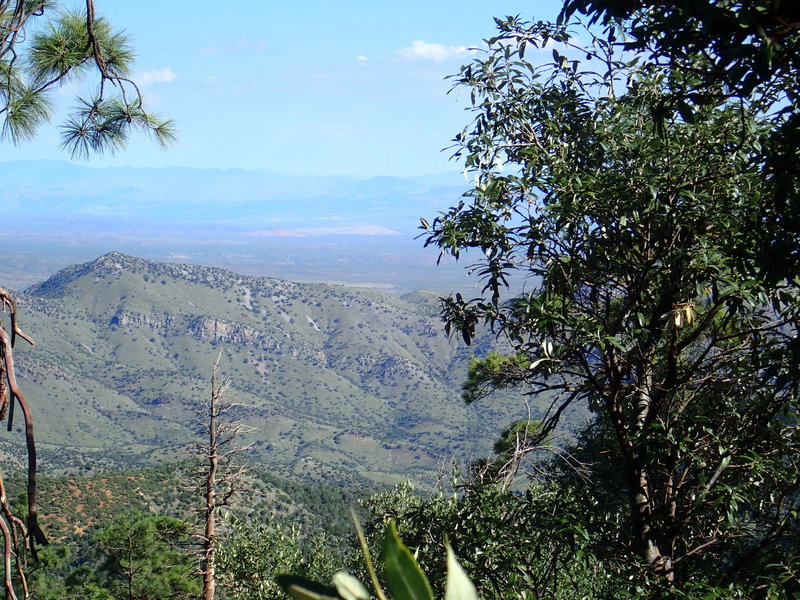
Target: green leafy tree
[
  {"x": 253, "y": 554},
  {"x": 745, "y": 45},
  {"x": 546, "y": 543},
  {"x": 635, "y": 225},
  {"x": 737, "y": 50}
]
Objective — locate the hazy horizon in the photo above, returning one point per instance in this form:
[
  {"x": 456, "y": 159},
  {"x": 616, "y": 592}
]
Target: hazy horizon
[{"x": 336, "y": 229}]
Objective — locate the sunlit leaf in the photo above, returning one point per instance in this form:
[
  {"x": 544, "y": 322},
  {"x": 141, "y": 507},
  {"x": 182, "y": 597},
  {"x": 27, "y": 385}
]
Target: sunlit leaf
[
  {"x": 404, "y": 578},
  {"x": 459, "y": 586}
]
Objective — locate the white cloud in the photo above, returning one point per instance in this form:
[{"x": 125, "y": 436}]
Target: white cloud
[
  {"x": 361, "y": 58},
  {"x": 164, "y": 75},
  {"x": 419, "y": 50}
]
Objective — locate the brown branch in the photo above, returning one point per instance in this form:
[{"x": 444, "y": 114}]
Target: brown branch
[
  {"x": 35, "y": 533},
  {"x": 93, "y": 43},
  {"x": 7, "y": 546}
]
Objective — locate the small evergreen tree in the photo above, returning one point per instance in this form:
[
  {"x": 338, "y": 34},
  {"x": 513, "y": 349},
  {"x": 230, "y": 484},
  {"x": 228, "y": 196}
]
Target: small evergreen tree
[{"x": 139, "y": 557}]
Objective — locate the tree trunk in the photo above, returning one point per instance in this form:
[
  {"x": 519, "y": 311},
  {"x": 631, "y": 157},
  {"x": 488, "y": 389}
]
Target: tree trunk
[
  {"x": 640, "y": 485},
  {"x": 632, "y": 439},
  {"x": 209, "y": 537}
]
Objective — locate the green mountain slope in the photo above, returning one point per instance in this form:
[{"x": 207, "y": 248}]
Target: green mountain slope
[{"x": 334, "y": 380}]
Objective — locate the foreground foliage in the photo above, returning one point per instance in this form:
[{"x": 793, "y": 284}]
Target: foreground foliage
[
  {"x": 536, "y": 545},
  {"x": 636, "y": 223},
  {"x": 255, "y": 553},
  {"x": 404, "y": 579},
  {"x": 557, "y": 540}
]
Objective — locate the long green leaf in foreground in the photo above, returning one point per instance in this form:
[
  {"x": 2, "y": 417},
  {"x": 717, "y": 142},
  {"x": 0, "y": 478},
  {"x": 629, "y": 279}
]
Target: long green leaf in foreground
[
  {"x": 459, "y": 586},
  {"x": 404, "y": 578},
  {"x": 349, "y": 587},
  {"x": 301, "y": 588}
]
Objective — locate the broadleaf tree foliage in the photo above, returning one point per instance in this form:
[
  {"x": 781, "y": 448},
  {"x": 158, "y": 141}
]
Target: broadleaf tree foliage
[
  {"x": 748, "y": 50},
  {"x": 745, "y": 45},
  {"x": 636, "y": 224}
]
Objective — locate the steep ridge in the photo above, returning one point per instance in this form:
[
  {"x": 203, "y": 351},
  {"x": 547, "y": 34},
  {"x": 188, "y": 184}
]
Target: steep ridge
[{"x": 334, "y": 380}]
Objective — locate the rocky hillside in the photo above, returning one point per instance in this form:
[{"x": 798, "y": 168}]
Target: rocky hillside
[{"x": 333, "y": 380}]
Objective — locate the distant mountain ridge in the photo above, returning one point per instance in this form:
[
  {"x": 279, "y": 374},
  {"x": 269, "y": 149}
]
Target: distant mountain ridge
[
  {"x": 323, "y": 228},
  {"x": 335, "y": 380},
  {"x": 243, "y": 199}
]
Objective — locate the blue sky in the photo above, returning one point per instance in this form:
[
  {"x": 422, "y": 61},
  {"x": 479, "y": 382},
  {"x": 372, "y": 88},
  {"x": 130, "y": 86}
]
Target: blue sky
[{"x": 320, "y": 87}]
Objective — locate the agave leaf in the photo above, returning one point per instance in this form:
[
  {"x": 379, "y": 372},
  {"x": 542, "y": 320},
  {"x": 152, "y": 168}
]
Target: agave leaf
[
  {"x": 404, "y": 578},
  {"x": 459, "y": 586},
  {"x": 349, "y": 587},
  {"x": 301, "y": 588}
]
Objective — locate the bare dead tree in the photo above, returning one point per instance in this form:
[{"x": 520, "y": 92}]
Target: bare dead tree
[
  {"x": 17, "y": 535},
  {"x": 222, "y": 474}
]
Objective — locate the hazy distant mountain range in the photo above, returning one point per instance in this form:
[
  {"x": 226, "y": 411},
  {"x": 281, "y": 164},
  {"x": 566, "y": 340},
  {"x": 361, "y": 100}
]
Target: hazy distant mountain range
[
  {"x": 334, "y": 380},
  {"x": 300, "y": 228},
  {"x": 235, "y": 200}
]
